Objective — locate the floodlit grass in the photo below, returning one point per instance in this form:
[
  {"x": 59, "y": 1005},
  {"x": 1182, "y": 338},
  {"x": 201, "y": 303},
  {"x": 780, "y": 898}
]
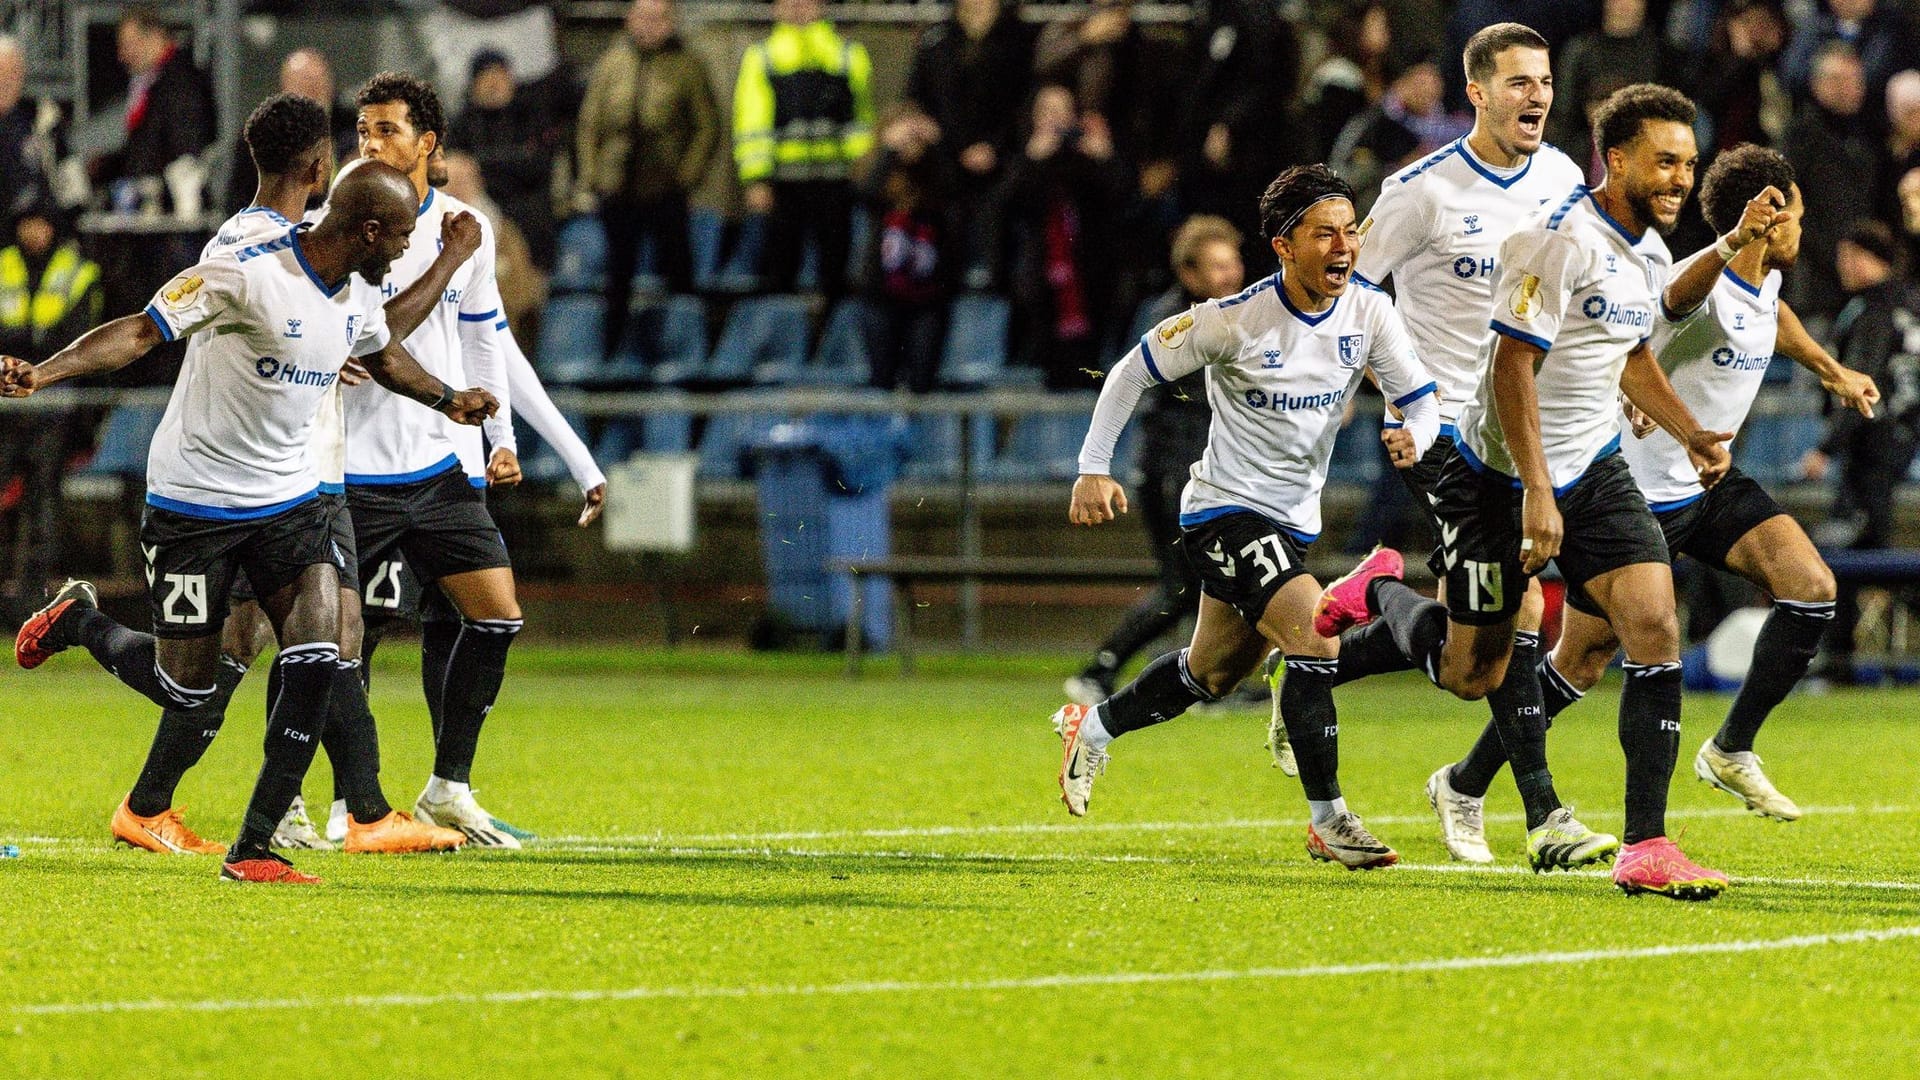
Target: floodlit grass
[{"x": 752, "y": 867}]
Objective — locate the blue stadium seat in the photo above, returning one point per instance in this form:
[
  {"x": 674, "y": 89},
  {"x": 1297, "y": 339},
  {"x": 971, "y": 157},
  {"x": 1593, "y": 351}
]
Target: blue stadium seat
[
  {"x": 934, "y": 443},
  {"x": 764, "y": 341},
  {"x": 666, "y": 339},
  {"x": 1044, "y": 446},
  {"x": 124, "y": 439},
  {"x": 1769, "y": 448},
  {"x": 570, "y": 333},
  {"x": 724, "y": 444},
  {"x": 976, "y": 349},
  {"x": 580, "y": 256},
  {"x": 841, "y": 358}
]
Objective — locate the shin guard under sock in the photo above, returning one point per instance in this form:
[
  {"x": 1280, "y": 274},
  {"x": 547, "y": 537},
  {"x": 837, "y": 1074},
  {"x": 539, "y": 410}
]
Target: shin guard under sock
[
  {"x": 1313, "y": 727},
  {"x": 1650, "y": 735},
  {"x": 1418, "y": 625},
  {"x": 180, "y": 741},
  {"x": 1519, "y": 721},
  {"x": 1781, "y": 655},
  {"x": 1556, "y": 693},
  {"x": 437, "y": 638},
  {"x": 299, "y": 716},
  {"x": 353, "y": 746},
  {"x": 132, "y": 658},
  {"x": 1164, "y": 690},
  {"x": 475, "y": 669},
  {"x": 1369, "y": 650}
]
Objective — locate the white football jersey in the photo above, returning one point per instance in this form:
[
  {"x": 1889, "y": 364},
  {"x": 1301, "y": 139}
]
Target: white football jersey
[
  {"x": 391, "y": 440},
  {"x": 1585, "y": 290},
  {"x": 234, "y": 442},
  {"x": 1278, "y": 381},
  {"x": 252, "y": 225},
  {"x": 1716, "y": 359},
  {"x": 1436, "y": 230}
]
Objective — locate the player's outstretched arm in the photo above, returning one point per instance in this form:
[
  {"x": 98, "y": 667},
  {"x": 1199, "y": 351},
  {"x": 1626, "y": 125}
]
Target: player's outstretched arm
[
  {"x": 1516, "y": 401},
  {"x": 395, "y": 368},
  {"x": 1647, "y": 387},
  {"x": 105, "y": 348},
  {"x": 1691, "y": 286},
  {"x": 1856, "y": 388},
  {"x": 531, "y": 399},
  {"x": 459, "y": 239}
]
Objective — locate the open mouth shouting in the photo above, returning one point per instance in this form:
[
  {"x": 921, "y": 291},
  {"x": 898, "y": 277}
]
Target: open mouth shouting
[
  {"x": 1533, "y": 124},
  {"x": 1335, "y": 275}
]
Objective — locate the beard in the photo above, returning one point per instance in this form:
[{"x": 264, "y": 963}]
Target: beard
[{"x": 1643, "y": 205}]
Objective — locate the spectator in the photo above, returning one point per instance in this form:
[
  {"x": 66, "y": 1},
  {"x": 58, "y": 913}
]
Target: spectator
[
  {"x": 1063, "y": 195},
  {"x": 29, "y": 132},
  {"x": 1903, "y": 142},
  {"x": 514, "y": 138},
  {"x": 647, "y": 133},
  {"x": 455, "y": 31},
  {"x": 1239, "y": 129},
  {"x": 170, "y": 113},
  {"x": 1909, "y": 192},
  {"x": 1173, "y": 430},
  {"x": 1410, "y": 121},
  {"x": 909, "y": 269},
  {"x": 1353, "y": 77},
  {"x": 802, "y": 115},
  {"x": 305, "y": 72},
  {"x": 1737, "y": 81},
  {"x": 1122, "y": 75},
  {"x": 49, "y": 295},
  {"x": 523, "y": 288},
  {"x": 1623, "y": 50},
  {"x": 971, "y": 74},
  {"x": 1834, "y": 156},
  {"x": 1878, "y": 334},
  {"x": 1876, "y": 31}
]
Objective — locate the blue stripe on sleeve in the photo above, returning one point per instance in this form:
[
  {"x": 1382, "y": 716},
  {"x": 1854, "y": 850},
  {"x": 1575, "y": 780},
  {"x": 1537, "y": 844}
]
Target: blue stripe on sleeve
[
  {"x": 1408, "y": 399},
  {"x": 1153, "y": 369},
  {"x": 1521, "y": 335},
  {"x": 468, "y": 316},
  {"x": 166, "y": 332}
]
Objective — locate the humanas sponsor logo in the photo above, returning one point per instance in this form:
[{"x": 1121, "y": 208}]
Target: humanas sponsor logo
[
  {"x": 1738, "y": 361},
  {"x": 268, "y": 367},
  {"x": 1600, "y": 309},
  {"x": 1282, "y": 401}
]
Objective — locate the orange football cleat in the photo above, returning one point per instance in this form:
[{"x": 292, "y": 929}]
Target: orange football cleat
[
  {"x": 164, "y": 832},
  {"x": 399, "y": 834},
  {"x": 39, "y": 636},
  {"x": 269, "y": 869}
]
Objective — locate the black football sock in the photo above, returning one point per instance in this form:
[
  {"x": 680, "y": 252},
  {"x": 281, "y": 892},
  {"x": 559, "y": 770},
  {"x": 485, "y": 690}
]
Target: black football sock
[
  {"x": 1161, "y": 692},
  {"x": 1474, "y": 774},
  {"x": 293, "y": 734},
  {"x": 437, "y": 637},
  {"x": 1781, "y": 655},
  {"x": 1517, "y": 717},
  {"x": 1313, "y": 727},
  {"x": 475, "y": 669},
  {"x": 353, "y": 746},
  {"x": 1418, "y": 625},
  {"x": 180, "y": 741},
  {"x": 1369, "y": 650},
  {"x": 1650, "y": 735},
  {"x": 130, "y": 656},
  {"x": 1556, "y": 693}
]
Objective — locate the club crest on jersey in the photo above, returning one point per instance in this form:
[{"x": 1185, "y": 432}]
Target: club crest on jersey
[
  {"x": 1525, "y": 301},
  {"x": 1473, "y": 225},
  {"x": 181, "y": 296},
  {"x": 353, "y": 326},
  {"x": 1174, "y": 334},
  {"x": 293, "y": 328},
  {"x": 1353, "y": 349}
]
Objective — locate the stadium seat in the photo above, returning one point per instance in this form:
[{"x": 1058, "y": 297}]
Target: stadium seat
[
  {"x": 1769, "y": 448},
  {"x": 570, "y": 339},
  {"x": 841, "y": 358},
  {"x": 1044, "y": 446},
  {"x": 580, "y": 256},
  {"x": 976, "y": 348},
  {"x": 725, "y": 443},
  {"x": 124, "y": 439},
  {"x": 665, "y": 340},
  {"x": 934, "y": 444},
  {"x": 764, "y": 341}
]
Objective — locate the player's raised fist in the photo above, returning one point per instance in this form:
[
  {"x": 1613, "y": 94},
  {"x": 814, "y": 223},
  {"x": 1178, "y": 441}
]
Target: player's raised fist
[
  {"x": 1708, "y": 451},
  {"x": 504, "y": 468},
  {"x": 471, "y": 406},
  {"x": 461, "y": 232},
  {"x": 1763, "y": 212},
  {"x": 1096, "y": 499},
  {"x": 17, "y": 377}
]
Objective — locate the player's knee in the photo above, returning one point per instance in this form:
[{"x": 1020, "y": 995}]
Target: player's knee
[
  {"x": 1533, "y": 607},
  {"x": 1651, "y": 634},
  {"x": 1583, "y": 668},
  {"x": 1816, "y": 586}
]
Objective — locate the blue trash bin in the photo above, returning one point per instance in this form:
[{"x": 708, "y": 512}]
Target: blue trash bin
[{"x": 823, "y": 488}]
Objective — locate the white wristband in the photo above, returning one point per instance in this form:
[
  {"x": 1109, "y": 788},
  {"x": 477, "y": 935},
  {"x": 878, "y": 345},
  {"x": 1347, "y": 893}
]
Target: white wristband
[{"x": 1723, "y": 249}]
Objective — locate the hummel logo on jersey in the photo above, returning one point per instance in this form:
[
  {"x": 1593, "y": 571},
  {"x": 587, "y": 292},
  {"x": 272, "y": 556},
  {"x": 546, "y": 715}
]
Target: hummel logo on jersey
[
  {"x": 1739, "y": 320},
  {"x": 1473, "y": 225},
  {"x": 1448, "y": 535},
  {"x": 151, "y": 553},
  {"x": 1273, "y": 359},
  {"x": 353, "y": 325},
  {"x": 269, "y": 367},
  {"x": 1613, "y": 264},
  {"x": 1353, "y": 349},
  {"x": 293, "y": 328},
  {"x": 1221, "y": 559}
]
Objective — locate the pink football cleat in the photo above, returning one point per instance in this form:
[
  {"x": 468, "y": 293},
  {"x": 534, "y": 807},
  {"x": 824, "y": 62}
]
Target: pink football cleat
[
  {"x": 1657, "y": 866},
  {"x": 1343, "y": 604}
]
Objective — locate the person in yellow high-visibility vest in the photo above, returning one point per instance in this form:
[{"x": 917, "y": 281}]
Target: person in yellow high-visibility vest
[
  {"x": 49, "y": 295},
  {"x": 802, "y": 115}
]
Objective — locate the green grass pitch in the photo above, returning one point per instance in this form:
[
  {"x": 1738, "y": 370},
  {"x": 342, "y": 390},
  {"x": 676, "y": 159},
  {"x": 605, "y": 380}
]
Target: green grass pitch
[{"x": 752, "y": 867}]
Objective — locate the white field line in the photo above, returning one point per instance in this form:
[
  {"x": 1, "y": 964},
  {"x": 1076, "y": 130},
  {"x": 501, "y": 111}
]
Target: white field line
[
  {"x": 972, "y": 986},
  {"x": 1048, "y": 828}
]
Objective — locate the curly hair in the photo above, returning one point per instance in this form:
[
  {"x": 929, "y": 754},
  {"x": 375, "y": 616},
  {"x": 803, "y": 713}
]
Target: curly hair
[
  {"x": 1738, "y": 175},
  {"x": 1293, "y": 192},
  {"x": 423, "y": 105},
  {"x": 282, "y": 130},
  {"x": 1622, "y": 116}
]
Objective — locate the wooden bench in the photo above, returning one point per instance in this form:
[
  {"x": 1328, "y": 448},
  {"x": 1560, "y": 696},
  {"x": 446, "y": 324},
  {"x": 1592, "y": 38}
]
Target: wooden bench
[{"x": 905, "y": 570}]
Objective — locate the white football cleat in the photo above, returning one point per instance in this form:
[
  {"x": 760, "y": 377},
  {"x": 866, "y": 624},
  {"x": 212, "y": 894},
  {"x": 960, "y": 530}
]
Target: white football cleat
[
  {"x": 1079, "y": 763},
  {"x": 337, "y": 822},
  {"x": 1343, "y": 839},
  {"x": 462, "y": 812},
  {"x": 296, "y": 831},
  {"x": 1738, "y": 774},
  {"x": 1276, "y": 728},
  {"x": 1463, "y": 823}
]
